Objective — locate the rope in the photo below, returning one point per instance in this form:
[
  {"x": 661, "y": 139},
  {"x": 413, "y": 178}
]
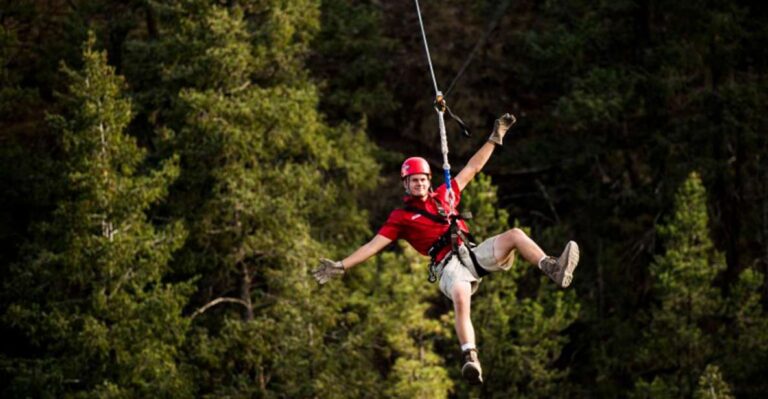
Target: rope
[
  {"x": 426, "y": 49},
  {"x": 440, "y": 107},
  {"x": 446, "y": 164}
]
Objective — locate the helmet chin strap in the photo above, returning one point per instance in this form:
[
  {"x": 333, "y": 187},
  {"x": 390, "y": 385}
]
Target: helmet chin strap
[{"x": 407, "y": 185}]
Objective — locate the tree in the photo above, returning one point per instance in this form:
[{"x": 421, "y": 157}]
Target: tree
[
  {"x": 676, "y": 346},
  {"x": 266, "y": 187},
  {"x": 616, "y": 103},
  {"x": 391, "y": 327},
  {"x": 350, "y": 59},
  {"x": 743, "y": 356},
  {"x": 712, "y": 385},
  {"x": 89, "y": 294}
]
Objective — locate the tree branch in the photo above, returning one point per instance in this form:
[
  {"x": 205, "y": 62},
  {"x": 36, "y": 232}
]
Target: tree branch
[{"x": 216, "y": 302}]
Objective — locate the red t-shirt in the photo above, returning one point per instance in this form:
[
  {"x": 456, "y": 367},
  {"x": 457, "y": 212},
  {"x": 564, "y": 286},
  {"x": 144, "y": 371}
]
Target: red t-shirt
[{"x": 419, "y": 231}]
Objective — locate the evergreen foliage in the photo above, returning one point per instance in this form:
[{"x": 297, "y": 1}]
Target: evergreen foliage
[
  {"x": 394, "y": 308},
  {"x": 677, "y": 338},
  {"x": 88, "y": 294},
  {"x": 712, "y": 386},
  {"x": 349, "y": 60},
  {"x": 157, "y": 229},
  {"x": 684, "y": 334},
  {"x": 263, "y": 180}
]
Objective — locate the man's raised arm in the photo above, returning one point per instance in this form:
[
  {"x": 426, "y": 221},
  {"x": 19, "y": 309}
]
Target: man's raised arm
[{"x": 478, "y": 161}]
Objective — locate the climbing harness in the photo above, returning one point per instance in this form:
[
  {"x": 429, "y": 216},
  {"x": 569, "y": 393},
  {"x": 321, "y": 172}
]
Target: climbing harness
[{"x": 450, "y": 237}]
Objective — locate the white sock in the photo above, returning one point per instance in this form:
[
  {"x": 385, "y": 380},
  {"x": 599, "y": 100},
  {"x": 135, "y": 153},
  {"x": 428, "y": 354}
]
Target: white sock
[
  {"x": 541, "y": 260},
  {"x": 467, "y": 346}
]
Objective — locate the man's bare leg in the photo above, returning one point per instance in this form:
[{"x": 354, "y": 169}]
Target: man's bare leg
[
  {"x": 462, "y": 297},
  {"x": 516, "y": 239},
  {"x": 560, "y": 270}
]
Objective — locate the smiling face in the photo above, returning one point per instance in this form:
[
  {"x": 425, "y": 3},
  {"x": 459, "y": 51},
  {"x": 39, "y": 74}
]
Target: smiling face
[{"x": 417, "y": 185}]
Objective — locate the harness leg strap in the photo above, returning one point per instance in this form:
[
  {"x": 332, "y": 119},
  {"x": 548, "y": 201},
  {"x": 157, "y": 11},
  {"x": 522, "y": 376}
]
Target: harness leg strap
[{"x": 481, "y": 272}]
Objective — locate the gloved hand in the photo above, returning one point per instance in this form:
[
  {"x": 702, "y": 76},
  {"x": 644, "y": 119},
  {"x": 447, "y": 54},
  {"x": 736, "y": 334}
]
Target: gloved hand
[
  {"x": 500, "y": 128},
  {"x": 328, "y": 269}
]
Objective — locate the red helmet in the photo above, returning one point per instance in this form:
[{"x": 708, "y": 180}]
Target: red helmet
[{"x": 414, "y": 166}]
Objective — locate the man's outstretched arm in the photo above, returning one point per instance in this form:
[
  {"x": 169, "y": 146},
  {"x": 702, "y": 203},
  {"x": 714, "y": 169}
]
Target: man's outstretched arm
[
  {"x": 377, "y": 243},
  {"x": 329, "y": 268},
  {"x": 478, "y": 161}
]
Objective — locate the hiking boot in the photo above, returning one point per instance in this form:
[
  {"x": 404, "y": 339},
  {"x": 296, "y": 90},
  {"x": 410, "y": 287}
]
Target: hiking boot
[
  {"x": 560, "y": 270},
  {"x": 471, "y": 369}
]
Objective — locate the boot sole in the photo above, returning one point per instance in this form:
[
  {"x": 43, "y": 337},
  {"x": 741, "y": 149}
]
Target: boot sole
[
  {"x": 471, "y": 374},
  {"x": 572, "y": 254}
]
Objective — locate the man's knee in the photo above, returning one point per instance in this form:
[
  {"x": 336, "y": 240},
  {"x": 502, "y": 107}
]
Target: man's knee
[
  {"x": 512, "y": 237},
  {"x": 517, "y": 233},
  {"x": 461, "y": 293}
]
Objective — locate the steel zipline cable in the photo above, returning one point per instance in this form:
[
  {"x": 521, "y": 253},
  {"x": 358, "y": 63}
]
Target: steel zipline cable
[{"x": 491, "y": 26}]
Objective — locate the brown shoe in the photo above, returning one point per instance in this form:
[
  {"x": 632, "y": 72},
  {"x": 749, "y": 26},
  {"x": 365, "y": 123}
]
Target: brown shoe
[
  {"x": 560, "y": 270},
  {"x": 471, "y": 369}
]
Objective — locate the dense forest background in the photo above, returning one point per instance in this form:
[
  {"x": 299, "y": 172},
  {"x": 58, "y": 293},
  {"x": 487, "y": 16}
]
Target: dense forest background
[{"x": 172, "y": 170}]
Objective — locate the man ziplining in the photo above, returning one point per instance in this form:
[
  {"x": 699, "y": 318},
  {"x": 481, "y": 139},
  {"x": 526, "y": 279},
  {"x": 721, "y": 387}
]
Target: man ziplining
[{"x": 431, "y": 224}]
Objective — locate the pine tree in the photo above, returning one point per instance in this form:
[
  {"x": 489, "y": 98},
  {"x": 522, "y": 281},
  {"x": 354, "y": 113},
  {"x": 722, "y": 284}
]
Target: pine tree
[
  {"x": 351, "y": 58},
  {"x": 712, "y": 385},
  {"x": 676, "y": 347},
  {"x": 418, "y": 371},
  {"x": 744, "y": 345},
  {"x": 89, "y": 295},
  {"x": 390, "y": 329},
  {"x": 266, "y": 187}
]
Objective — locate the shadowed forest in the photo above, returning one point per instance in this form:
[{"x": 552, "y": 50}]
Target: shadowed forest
[{"x": 172, "y": 170}]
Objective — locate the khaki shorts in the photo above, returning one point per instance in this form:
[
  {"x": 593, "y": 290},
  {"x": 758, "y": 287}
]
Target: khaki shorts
[{"x": 454, "y": 270}]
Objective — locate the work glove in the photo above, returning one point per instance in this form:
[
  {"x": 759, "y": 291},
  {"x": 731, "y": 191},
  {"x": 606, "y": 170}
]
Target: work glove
[
  {"x": 500, "y": 128},
  {"x": 328, "y": 269}
]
